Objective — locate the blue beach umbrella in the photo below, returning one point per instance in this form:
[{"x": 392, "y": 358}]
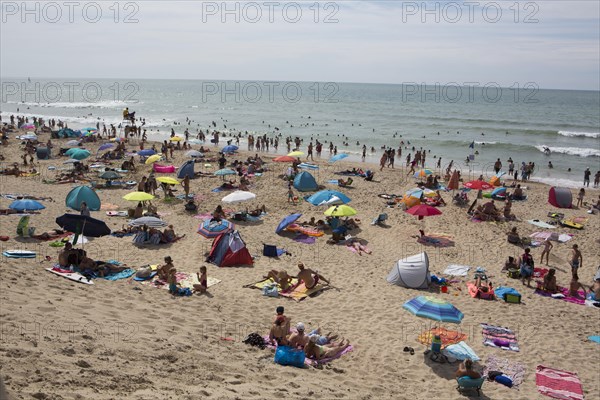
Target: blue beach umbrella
[
  {"x": 338, "y": 157},
  {"x": 211, "y": 229},
  {"x": 501, "y": 191},
  {"x": 230, "y": 149},
  {"x": 77, "y": 154},
  {"x": 106, "y": 146},
  {"x": 225, "y": 171},
  {"x": 324, "y": 196},
  {"x": 26, "y": 205},
  {"x": 433, "y": 308},
  {"x": 287, "y": 221}
]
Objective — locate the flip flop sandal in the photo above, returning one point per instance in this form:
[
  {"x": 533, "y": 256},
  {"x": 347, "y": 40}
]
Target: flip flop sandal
[
  {"x": 412, "y": 351},
  {"x": 406, "y": 349}
]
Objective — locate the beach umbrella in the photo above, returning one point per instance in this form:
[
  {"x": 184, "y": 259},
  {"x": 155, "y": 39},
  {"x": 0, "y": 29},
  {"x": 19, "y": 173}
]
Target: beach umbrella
[
  {"x": 422, "y": 173},
  {"x": 117, "y": 139},
  {"x": 151, "y": 222},
  {"x": 433, "y": 308},
  {"x": 237, "y": 196},
  {"x": 501, "y": 191},
  {"x": 26, "y": 205},
  {"x": 453, "y": 184},
  {"x": 230, "y": 149},
  {"x": 338, "y": 157},
  {"x": 478, "y": 185},
  {"x": 423, "y": 210},
  {"x": 138, "y": 196},
  {"x": 83, "y": 225},
  {"x": 168, "y": 180},
  {"x": 71, "y": 161},
  {"x": 340, "y": 211},
  {"x": 176, "y": 139},
  {"x": 308, "y": 166},
  {"x": 194, "y": 153},
  {"x": 284, "y": 159},
  {"x": 146, "y": 153},
  {"x": 29, "y": 136},
  {"x": 27, "y": 126},
  {"x": 418, "y": 192},
  {"x": 154, "y": 158},
  {"x": 110, "y": 175},
  {"x": 73, "y": 143},
  {"x": 88, "y": 130},
  {"x": 78, "y": 154},
  {"x": 225, "y": 171},
  {"x": 211, "y": 229},
  {"x": 296, "y": 154},
  {"x": 325, "y": 196},
  {"x": 287, "y": 221},
  {"x": 106, "y": 146}
]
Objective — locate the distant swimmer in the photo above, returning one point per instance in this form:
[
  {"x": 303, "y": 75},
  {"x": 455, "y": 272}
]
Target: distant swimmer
[
  {"x": 547, "y": 151},
  {"x": 550, "y": 165}
]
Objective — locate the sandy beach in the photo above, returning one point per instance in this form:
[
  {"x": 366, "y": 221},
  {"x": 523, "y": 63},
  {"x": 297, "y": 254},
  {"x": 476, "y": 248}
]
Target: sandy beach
[{"x": 122, "y": 339}]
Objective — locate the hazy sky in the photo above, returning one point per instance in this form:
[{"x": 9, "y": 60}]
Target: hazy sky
[{"x": 555, "y": 44}]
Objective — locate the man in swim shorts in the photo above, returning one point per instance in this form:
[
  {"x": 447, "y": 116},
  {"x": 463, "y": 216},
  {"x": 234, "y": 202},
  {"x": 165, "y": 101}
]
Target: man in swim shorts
[
  {"x": 576, "y": 259},
  {"x": 309, "y": 277}
]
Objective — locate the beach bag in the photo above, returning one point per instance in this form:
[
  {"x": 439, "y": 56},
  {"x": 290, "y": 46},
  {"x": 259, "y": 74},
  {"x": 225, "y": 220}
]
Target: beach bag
[
  {"x": 504, "y": 380},
  {"x": 513, "y": 273},
  {"x": 512, "y": 298},
  {"x": 269, "y": 250},
  {"x": 271, "y": 290},
  {"x": 254, "y": 339},
  {"x": 285, "y": 355}
]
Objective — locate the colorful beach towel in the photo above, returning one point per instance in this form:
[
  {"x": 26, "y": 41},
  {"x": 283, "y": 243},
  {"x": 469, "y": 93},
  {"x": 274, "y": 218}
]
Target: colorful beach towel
[
  {"x": 448, "y": 337},
  {"x": 497, "y": 336},
  {"x": 540, "y": 273},
  {"x": 302, "y": 238},
  {"x": 298, "y": 294},
  {"x": 565, "y": 295},
  {"x": 558, "y": 384},
  {"x": 514, "y": 370},
  {"x": 184, "y": 279}
]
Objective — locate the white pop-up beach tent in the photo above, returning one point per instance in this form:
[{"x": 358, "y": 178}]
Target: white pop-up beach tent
[{"x": 411, "y": 272}]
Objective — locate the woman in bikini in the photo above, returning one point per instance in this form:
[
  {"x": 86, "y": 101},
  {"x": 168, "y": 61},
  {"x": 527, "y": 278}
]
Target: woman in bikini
[
  {"x": 279, "y": 331},
  {"x": 318, "y": 352}
]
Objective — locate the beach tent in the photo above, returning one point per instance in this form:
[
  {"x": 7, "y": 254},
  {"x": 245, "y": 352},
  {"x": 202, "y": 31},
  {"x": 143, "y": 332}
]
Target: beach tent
[
  {"x": 43, "y": 153},
  {"x": 411, "y": 272},
  {"x": 81, "y": 194},
  {"x": 66, "y": 132},
  {"x": 305, "y": 182},
  {"x": 228, "y": 250},
  {"x": 560, "y": 197},
  {"x": 186, "y": 169}
]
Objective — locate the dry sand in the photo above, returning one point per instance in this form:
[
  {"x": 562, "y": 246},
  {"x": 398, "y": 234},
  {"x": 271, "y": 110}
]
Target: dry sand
[{"x": 65, "y": 340}]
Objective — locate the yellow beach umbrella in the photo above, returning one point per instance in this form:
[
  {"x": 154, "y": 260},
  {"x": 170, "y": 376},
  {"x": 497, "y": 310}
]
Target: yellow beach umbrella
[
  {"x": 138, "y": 196},
  {"x": 168, "y": 180},
  {"x": 152, "y": 159},
  {"x": 296, "y": 154},
  {"x": 340, "y": 211},
  {"x": 176, "y": 139}
]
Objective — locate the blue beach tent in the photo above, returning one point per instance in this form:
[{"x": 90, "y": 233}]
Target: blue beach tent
[
  {"x": 305, "y": 182},
  {"x": 81, "y": 194}
]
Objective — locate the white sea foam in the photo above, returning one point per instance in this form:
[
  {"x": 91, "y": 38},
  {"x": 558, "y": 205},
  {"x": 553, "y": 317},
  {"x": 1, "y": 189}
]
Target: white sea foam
[
  {"x": 85, "y": 104},
  {"x": 476, "y": 142},
  {"x": 560, "y": 182},
  {"x": 594, "y": 135},
  {"x": 90, "y": 120},
  {"x": 572, "y": 151}
]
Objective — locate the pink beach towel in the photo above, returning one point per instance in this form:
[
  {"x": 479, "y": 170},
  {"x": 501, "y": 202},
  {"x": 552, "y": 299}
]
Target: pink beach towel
[
  {"x": 565, "y": 292},
  {"x": 558, "y": 384}
]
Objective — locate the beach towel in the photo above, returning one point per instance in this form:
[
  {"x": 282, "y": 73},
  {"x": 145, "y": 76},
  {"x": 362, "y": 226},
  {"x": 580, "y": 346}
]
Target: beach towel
[
  {"x": 333, "y": 181},
  {"x": 448, "y": 337},
  {"x": 456, "y": 270},
  {"x": 461, "y": 351},
  {"x": 540, "y": 273},
  {"x": 561, "y": 238},
  {"x": 322, "y": 361},
  {"x": 580, "y": 220},
  {"x": 558, "y": 384},
  {"x": 435, "y": 241},
  {"x": 594, "y": 338},
  {"x": 497, "y": 336},
  {"x": 184, "y": 279},
  {"x": 298, "y": 294},
  {"x": 541, "y": 224},
  {"x": 501, "y": 291},
  {"x": 305, "y": 230},
  {"x": 514, "y": 370},
  {"x": 565, "y": 295},
  {"x": 119, "y": 275},
  {"x": 301, "y": 238}
]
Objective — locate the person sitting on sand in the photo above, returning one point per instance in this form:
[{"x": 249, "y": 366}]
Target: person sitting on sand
[
  {"x": 281, "y": 278},
  {"x": 309, "y": 277},
  {"x": 169, "y": 236},
  {"x": 218, "y": 214},
  {"x": 318, "y": 352},
  {"x": 466, "y": 369},
  {"x": 139, "y": 211},
  {"x": 279, "y": 331},
  {"x": 54, "y": 233},
  {"x": 518, "y": 193},
  {"x": 190, "y": 206},
  {"x": 322, "y": 339},
  {"x": 513, "y": 237},
  {"x": 506, "y": 212},
  {"x": 526, "y": 264},
  {"x": 172, "y": 281},
  {"x": 574, "y": 287},
  {"x": 65, "y": 255},
  {"x": 595, "y": 288},
  {"x": 201, "y": 287},
  {"x": 298, "y": 339},
  {"x": 549, "y": 284},
  {"x": 510, "y": 264},
  {"x": 347, "y": 182},
  {"x": 163, "y": 270},
  {"x": 483, "y": 287}
]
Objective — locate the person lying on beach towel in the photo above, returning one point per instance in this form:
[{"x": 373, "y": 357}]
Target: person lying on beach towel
[
  {"x": 51, "y": 234},
  {"x": 358, "y": 247},
  {"x": 317, "y": 352},
  {"x": 281, "y": 278}
]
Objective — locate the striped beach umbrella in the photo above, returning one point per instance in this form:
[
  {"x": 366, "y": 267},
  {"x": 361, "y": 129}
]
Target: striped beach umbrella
[
  {"x": 211, "y": 229},
  {"x": 434, "y": 308},
  {"x": 423, "y": 173},
  {"x": 151, "y": 222}
]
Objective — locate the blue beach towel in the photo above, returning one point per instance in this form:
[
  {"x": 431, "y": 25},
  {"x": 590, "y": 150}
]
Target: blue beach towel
[
  {"x": 119, "y": 275},
  {"x": 501, "y": 291},
  {"x": 594, "y": 339},
  {"x": 333, "y": 181}
]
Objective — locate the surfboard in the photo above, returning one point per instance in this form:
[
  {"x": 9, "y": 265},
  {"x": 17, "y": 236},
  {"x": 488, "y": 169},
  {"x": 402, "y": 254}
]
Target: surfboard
[
  {"x": 116, "y": 213},
  {"x": 74, "y": 276},
  {"x": 19, "y": 253},
  {"x": 541, "y": 224}
]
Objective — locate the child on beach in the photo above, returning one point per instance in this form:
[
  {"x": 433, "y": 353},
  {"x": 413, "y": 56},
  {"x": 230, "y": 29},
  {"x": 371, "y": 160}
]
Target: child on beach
[
  {"x": 580, "y": 197},
  {"x": 172, "y": 281},
  {"x": 547, "y": 247},
  {"x": 203, "y": 285},
  {"x": 291, "y": 197}
]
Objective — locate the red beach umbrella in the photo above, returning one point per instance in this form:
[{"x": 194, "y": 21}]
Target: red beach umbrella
[
  {"x": 284, "y": 159},
  {"x": 478, "y": 185},
  {"x": 423, "y": 210}
]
